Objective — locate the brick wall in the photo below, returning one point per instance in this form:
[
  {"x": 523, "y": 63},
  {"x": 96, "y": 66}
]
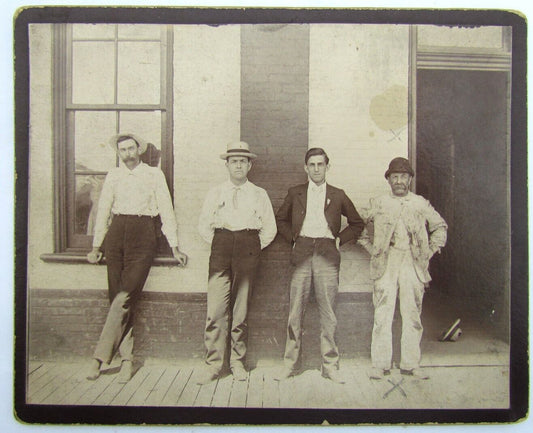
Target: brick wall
[
  {"x": 274, "y": 120},
  {"x": 66, "y": 324},
  {"x": 274, "y": 103}
]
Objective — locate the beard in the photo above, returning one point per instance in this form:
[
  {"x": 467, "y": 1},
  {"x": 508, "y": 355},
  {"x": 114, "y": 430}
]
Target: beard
[{"x": 399, "y": 190}]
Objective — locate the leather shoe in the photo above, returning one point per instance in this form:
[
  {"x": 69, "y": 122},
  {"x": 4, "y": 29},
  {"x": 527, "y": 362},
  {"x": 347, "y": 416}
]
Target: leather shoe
[
  {"x": 378, "y": 373},
  {"x": 126, "y": 372},
  {"x": 333, "y": 375},
  {"x": 239, "y": 373},
  {"x": 207, "y": 376},
  {"x": 94, "y": 370},
  {"x": 415, "y": 373},
  {"x": 284, "y": 374}
]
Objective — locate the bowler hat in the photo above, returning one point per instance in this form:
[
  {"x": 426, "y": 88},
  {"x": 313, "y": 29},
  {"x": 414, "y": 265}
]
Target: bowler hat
[
  {"x": 238, "y": 148},
  {"x": 113, "y": 141},
  {"x": 399, "y": 165}
]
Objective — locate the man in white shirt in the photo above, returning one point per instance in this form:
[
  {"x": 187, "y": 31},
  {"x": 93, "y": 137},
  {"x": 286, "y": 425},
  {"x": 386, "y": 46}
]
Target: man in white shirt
[
  {"x": 132, "y": 196},
  {"x": 238, "y": 221},
  {"x": 310, "y": 218}
]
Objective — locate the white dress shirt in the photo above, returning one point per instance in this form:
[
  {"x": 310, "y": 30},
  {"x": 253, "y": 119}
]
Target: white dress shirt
[
  {"x": 315, "y": 224},
  {"x": 254, "y": 211},
  {"x": 141, "y": 191}
]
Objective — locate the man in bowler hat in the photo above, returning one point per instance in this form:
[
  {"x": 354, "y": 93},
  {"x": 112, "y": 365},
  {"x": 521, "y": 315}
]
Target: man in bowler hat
[
  {"x": 310, "y": 219},
  {"x": 133, "y": 195},
  {"x": 238, "y": 221},
  {"x": 403, "y": 232}
]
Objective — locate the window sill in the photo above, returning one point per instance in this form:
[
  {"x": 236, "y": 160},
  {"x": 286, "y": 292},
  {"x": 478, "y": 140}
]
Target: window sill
[{"x": 74, "y": 258}]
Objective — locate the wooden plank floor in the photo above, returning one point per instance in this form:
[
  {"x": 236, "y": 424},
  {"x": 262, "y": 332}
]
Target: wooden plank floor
[{"x": 160, "y": 384}]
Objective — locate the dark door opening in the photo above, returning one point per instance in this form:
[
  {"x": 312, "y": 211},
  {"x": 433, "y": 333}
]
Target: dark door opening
[{"x": 462, "y": 169}]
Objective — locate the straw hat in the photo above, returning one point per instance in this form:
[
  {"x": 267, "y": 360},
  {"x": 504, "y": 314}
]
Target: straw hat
[
  {"x": 142, "y": 143},
  {"x": 238, "y": 148}
]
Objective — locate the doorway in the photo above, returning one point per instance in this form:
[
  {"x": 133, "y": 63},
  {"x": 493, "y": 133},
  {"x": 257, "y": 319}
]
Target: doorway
[{"x": 462, "y": 160}]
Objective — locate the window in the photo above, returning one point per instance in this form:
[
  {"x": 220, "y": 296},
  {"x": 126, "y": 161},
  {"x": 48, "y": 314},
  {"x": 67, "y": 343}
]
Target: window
[{"x": 108, "y": 79}]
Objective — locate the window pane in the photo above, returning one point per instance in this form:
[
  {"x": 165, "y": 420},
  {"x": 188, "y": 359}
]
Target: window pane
[
  {"x": 93, "y": 129},
  {"x": 93, "y": 31},
  {"x": 139, "y": 31},
  {"x": 93, "y": 70},
  {"x": 147, "y": 125},
  {"x": 139, "y": 72},
  {"x": 88, "y": 189},
  {"x": 486, "y": 36}
]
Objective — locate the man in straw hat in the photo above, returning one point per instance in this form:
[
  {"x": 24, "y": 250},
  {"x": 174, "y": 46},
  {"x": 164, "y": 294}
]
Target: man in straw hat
[
  {"x": 132, "y": 196},
  {"x": 238, "y": 221},
  {"x": 407, "y": 232},
  {"x": 310, "y": 219}
]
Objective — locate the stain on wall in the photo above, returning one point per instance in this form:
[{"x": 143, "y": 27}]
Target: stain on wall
[{"x": 388, "y": 109}]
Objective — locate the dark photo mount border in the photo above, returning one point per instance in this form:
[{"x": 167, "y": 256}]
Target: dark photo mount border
[{"x": 519, "y": 367}]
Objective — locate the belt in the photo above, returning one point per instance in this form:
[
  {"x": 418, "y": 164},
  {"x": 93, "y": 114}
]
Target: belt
[
  {"x": 222, "y": 230},
  {"x": 315, "y": 239},
  {"x": 126, "y": 215}
]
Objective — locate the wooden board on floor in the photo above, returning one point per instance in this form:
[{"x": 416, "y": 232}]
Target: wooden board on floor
[
  {"x": 222, "y": 392},
  {"x": 33, "y": 366},
  {"x": 67, "y": 381},
  {"x": 142, "y": 393},
  {"x": 206, "y": 393},
  {"x": 255, "y": 389},
  {"x": 270, "y": 392},
  {"x": 41, "y": 377},
  {"x": 459, "y": 387},
  {"x": 162, "y": 387},
  {"x": 176, "y": 388},
  {"x": 129, "y": 389},
  {"x": 188, "y": 396},
  {"x": 239, "y": 392},
  {"x": 98, "y": 387},
  {"x": 109, "y": 394}
]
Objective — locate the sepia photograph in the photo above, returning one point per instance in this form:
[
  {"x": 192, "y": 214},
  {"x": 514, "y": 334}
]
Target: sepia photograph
[{"x": 270, "y": 216}]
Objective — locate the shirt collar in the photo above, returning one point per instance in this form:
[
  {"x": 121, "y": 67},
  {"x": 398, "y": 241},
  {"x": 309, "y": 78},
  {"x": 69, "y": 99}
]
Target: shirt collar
[
  {"x": 229, "y": 185},
  {"x": 141, "y": 167},
  {"x": 315, "y": 188},
  {"x": 404, "y": 198}
]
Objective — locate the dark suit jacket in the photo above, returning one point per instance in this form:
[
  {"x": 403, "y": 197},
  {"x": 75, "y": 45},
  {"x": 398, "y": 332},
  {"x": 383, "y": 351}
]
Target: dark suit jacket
[{"x": 291, "y": 214}]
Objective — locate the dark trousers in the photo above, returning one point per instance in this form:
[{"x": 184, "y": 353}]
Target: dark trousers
[
  {"x": 232, "y": 265},
  {"x": 130, "y": 246},
  {"x": 315, "y": 262}
]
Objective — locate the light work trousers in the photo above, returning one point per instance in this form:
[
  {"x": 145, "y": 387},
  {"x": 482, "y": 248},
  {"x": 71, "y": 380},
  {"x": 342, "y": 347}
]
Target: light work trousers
[
  {"x": 401, "y": 282},
  {"x": 315, "y": 264}
]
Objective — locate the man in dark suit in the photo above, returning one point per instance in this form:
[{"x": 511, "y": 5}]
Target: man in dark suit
[{"x": 310, "y": 218}]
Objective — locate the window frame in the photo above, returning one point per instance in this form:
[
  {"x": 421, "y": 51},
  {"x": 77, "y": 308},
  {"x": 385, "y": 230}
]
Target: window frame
[{"x": 68, "y": 243}]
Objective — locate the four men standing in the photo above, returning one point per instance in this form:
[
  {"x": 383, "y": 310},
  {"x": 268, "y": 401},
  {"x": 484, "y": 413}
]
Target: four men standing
[{"x": 238, "y": 221}]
